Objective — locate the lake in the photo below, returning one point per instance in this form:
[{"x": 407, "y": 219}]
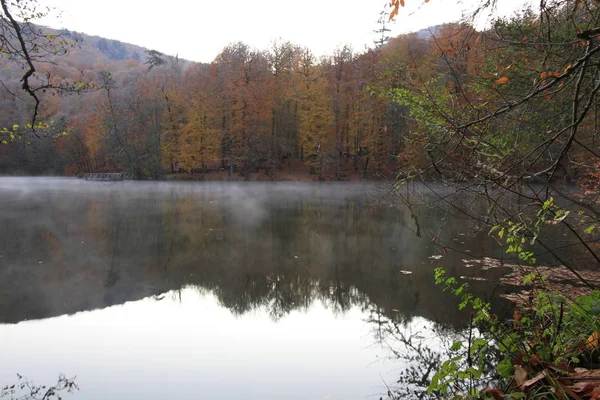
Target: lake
[{"x": 219, "y": 290}]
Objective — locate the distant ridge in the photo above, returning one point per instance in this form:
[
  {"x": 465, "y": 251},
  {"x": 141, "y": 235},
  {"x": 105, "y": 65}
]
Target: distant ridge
[{"x": 427, "y": 32}]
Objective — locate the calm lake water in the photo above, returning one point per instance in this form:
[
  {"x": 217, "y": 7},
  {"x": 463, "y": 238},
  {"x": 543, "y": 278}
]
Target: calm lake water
[{"x": 229, "y": 291}]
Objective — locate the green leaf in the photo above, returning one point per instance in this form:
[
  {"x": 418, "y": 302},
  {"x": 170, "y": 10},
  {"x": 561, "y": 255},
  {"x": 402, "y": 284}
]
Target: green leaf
[
  {"x": 505, "y": 368},
  {"x": 529, "y": 278},
  {"x": 590, "y": 228},
  {"x": 456, "y": 346}
]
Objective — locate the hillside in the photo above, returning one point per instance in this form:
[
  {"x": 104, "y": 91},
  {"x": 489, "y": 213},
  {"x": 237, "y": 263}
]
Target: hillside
[
  {"x": 252, "y": 114},
  {"x": 87, "y": 58}
]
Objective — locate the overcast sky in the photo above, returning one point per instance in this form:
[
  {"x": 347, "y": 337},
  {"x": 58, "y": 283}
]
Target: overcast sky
[{"x": 198, "y": 30}]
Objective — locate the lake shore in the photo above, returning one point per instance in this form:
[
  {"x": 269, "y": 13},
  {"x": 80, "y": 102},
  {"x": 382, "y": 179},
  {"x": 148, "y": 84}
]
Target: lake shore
[{"x": 292, "y": 170}]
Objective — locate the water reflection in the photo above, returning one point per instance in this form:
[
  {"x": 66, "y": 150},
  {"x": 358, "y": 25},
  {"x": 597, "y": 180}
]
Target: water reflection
[
  {"x": 161, "y": 290},
  {"x": 71, "y": 246},
  {"x": 188, "y": 346}
]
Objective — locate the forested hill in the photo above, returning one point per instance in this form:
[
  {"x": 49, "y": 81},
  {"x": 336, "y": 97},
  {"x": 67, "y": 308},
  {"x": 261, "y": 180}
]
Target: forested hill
[
  {"x": 275, "y": 113},
  {"x": 87, "y": 59}
]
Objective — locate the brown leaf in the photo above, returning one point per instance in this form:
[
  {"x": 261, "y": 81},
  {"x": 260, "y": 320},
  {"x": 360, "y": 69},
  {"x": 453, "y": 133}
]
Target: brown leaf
[
  {"x": 530, "y": 382},
  {"x": 495, "y": 393},
  {"x": 567, "y": 390},
  {"x": 586, "y": 374},
  {"x": 520, "y": 375},
  {"x": 583, "y": 387}
]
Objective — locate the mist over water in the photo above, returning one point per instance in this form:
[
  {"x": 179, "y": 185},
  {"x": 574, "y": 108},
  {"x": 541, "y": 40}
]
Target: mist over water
[{"x": 212, "y": 289}]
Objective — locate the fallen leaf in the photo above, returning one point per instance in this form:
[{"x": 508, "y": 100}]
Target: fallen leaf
[
  {"x": 530, "y": 382},
  {"x": 586, "y": 374},
  {"x": 593, "y": 340},
  {"x": 495, "y": 393},
  {"x": 520, "y": 375}
]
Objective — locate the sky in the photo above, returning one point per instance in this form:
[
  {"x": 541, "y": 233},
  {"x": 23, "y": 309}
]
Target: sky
[{"x": 199, "y": 30}]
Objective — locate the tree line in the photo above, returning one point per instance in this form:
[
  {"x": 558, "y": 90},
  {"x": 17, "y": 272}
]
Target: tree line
[{"x": 247, "y": 110}]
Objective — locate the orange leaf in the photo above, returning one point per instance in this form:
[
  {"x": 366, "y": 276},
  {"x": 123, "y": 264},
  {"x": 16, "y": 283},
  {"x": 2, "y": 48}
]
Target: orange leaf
[
  {"x": 593, "y": 341},
  {"x": 524, "y": 39},
  {"x": 452, "y": 51},
  {"x": 502, "y": 80},
  {"x": 543, "y": 75},
  {"x": 557, "y": 73}
]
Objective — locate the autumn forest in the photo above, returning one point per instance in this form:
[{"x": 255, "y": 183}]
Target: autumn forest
[{"x": 266, "y": 113}]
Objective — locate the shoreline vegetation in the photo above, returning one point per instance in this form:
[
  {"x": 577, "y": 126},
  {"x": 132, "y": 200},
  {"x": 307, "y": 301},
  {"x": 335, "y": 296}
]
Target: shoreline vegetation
[{"x": 290, "y": 170}]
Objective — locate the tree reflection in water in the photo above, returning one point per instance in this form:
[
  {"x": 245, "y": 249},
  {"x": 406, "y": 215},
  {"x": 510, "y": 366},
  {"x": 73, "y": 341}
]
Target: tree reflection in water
[
  {"x": 73, "y": 247},
  {"x": 76, "y": 247}
]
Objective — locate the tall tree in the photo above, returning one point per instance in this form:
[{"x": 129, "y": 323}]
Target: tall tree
[{"x": 316, "y": 113}]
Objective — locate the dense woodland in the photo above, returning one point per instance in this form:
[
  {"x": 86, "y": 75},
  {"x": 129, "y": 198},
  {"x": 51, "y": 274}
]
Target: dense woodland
[
  {"x": 154, "y": 114},
  {"x": 248, "y": 110},
  {"x": 368, "y": 114}
]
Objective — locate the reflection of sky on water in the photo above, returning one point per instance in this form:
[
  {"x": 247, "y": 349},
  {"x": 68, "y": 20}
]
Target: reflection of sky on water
[
  {"x": 281, "y": 287},
  {"x": 194, "y": 348}
]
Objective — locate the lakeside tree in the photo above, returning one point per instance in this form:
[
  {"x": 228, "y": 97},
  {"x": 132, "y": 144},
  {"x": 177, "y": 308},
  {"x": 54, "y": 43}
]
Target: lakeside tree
[
  {"x": 507, "y": 118},
  {"x": 511, "y": 113}
]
